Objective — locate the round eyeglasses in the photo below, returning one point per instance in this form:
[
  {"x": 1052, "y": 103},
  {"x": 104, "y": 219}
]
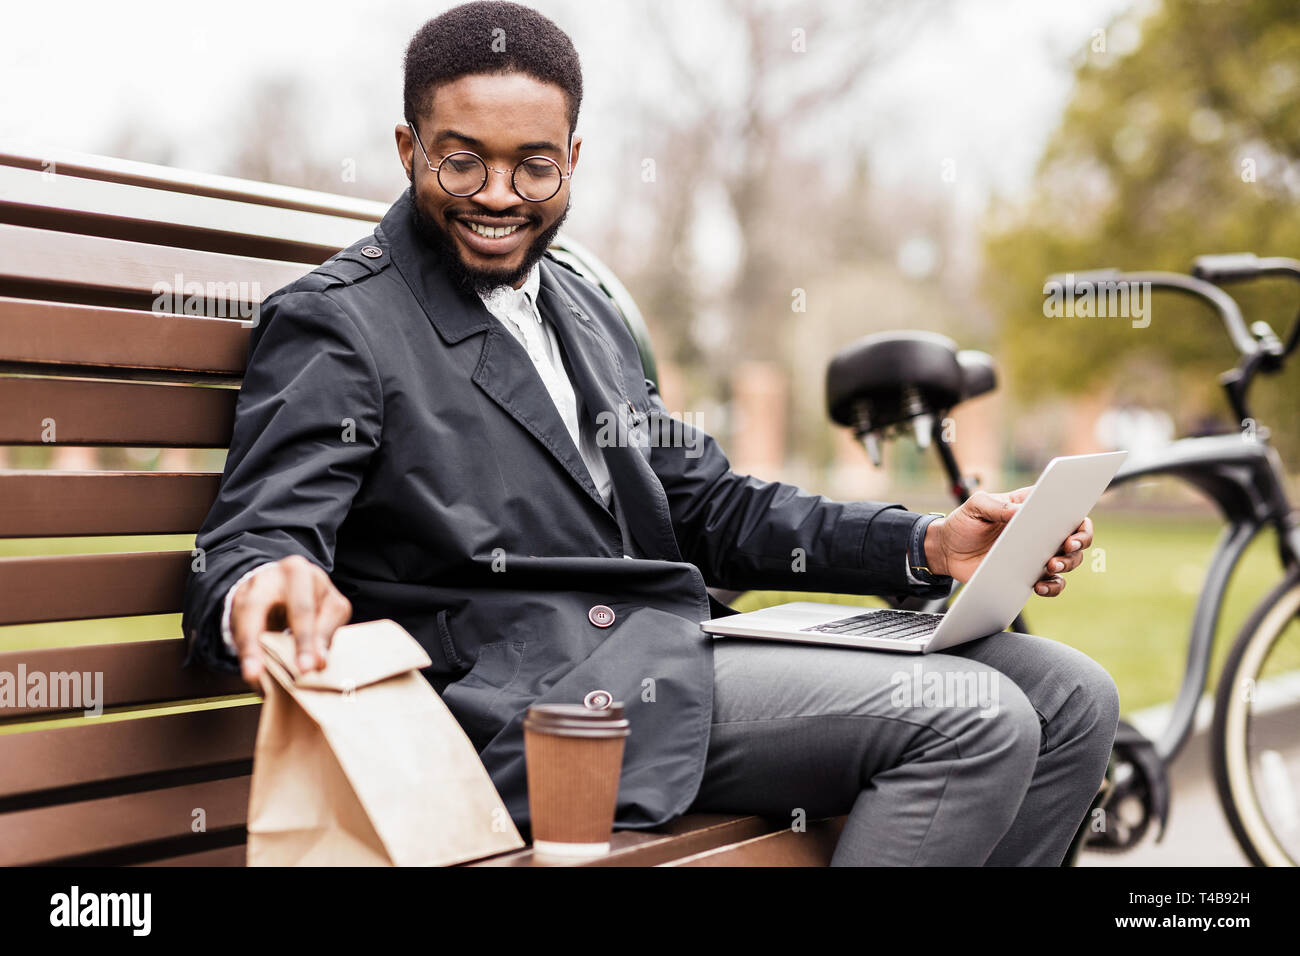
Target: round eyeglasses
[{"x": 463, "y": 173}]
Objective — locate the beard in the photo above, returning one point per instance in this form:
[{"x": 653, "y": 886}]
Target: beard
[{"x": 479, "y": 281}]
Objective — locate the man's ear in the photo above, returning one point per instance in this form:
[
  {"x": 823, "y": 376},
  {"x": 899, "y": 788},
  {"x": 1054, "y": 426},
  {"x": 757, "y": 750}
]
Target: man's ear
[
  {"x": 405, "y": 148},
  {"x": 573, "y": 153}
]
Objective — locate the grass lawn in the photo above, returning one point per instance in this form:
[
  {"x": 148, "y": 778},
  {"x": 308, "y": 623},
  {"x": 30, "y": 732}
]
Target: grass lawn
[{"x": 1132, "y": 617}]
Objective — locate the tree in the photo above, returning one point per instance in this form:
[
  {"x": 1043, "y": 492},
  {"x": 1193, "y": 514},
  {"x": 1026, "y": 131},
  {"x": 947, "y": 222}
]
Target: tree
[
  {"x": 786, "y": 66},
  {"x": 1183, "y": 142}
]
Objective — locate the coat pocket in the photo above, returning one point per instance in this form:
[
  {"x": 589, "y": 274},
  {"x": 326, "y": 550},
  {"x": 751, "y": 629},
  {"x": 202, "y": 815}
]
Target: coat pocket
[
  {"x": 448, "y": 647},
  {"x": 481, "y": 701},
  {"x": 496, "y": 666}
]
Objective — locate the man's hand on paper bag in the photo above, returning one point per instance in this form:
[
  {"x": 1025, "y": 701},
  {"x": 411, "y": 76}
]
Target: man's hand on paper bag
[
  {"x": 956, "y": 545},
  {"x": 292, "y": 593}
]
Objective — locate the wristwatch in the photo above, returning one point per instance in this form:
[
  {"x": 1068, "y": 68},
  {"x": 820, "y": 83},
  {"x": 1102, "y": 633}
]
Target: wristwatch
[{"x": 917, "y": 562}]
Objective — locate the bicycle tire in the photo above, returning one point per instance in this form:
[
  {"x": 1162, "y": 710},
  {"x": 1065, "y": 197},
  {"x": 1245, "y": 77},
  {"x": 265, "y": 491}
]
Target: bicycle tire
[{"x": 1229, "y": 757}]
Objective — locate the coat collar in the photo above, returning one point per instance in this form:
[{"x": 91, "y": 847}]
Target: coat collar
[{"x": 454, "y": 312}]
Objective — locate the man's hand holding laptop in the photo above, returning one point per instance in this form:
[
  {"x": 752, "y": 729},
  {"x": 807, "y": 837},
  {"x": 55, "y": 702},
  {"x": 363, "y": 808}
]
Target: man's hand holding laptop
[
  {"x": 956, "y": 545},
  {"x": 1002, "y": 547}
]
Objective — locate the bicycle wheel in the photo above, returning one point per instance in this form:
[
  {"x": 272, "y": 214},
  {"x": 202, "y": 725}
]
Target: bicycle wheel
[{"x": 1255, "y": 738}]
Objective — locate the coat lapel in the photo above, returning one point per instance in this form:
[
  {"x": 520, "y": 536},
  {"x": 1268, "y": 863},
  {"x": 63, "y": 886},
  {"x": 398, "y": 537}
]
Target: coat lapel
[
  {"x": 598, "y": 378},
  {"x": 507, "y": 375}
]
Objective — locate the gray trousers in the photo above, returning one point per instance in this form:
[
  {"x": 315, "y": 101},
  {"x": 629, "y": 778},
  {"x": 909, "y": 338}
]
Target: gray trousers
[{"x": 986, "y": 754}]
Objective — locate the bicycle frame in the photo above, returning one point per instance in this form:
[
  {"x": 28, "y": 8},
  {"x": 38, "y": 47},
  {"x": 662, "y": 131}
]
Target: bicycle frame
[
  {"x": 1242, "y": 474},
  {"x": 1244, "y": 479}
]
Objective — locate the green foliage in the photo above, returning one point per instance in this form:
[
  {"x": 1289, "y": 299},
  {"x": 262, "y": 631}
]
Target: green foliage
[{"x": 1187, "y": 144}]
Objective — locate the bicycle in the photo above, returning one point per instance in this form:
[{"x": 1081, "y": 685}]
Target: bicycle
[{"x": 886, "y": 384}]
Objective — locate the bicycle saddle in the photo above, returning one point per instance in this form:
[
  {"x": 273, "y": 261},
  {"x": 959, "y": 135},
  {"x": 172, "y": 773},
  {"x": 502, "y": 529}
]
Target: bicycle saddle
[{"x": 895, "y": 376}]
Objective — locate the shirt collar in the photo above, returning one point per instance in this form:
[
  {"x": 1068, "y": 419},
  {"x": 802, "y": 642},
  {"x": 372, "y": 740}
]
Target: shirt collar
[{"x": 505, "y": 299}]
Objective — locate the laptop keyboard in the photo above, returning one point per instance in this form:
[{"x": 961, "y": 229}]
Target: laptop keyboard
[{"x": 896, "y": 625}]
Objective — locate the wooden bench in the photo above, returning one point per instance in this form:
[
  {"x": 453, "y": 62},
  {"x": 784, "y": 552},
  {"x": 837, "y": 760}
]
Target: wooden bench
[{"x": 87, "y": 362}]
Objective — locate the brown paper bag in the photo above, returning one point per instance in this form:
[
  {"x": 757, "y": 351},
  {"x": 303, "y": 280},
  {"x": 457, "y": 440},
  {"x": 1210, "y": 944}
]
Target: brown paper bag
[{"x": 361, "y": 764}]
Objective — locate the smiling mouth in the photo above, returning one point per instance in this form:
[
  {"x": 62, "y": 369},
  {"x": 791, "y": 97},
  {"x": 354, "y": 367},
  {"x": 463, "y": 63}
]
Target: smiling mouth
[
  {"x": 491, "y": 236},
  {"x": 491, "y": 232}
]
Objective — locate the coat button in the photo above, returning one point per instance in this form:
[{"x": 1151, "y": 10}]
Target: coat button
[
  {"x": 598, "y": 700},
  {"x": 601, "y": 616},
  {"x": 371, "y": 252}
]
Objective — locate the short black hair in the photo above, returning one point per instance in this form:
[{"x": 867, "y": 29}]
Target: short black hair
[{"x": 489, "y": 37}]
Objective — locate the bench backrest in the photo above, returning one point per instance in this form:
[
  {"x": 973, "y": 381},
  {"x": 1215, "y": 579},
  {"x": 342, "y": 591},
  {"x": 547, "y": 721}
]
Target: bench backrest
[{"x": 91, "y": 356}]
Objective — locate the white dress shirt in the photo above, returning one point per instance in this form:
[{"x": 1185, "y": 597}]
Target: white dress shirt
[{"x": 517, "y": 310}]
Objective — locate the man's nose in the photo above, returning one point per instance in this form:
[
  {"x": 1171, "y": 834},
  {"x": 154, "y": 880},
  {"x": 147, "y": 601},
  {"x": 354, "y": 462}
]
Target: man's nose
[{"x": 498, "y": 192}]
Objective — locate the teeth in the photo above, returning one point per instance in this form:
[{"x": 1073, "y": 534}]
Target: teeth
[{"x": 491, "y": 232}]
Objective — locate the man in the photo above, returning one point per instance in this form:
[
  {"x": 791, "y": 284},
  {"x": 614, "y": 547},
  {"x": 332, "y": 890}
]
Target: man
[{"x": 417, "y": 438}]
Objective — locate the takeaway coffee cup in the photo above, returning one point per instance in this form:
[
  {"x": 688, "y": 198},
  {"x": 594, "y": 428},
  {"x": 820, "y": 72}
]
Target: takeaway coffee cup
[{"x": 574, "y": 755}]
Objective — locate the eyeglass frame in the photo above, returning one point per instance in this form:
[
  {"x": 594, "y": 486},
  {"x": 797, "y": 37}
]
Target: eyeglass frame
[{"x": 437, "y": 170}]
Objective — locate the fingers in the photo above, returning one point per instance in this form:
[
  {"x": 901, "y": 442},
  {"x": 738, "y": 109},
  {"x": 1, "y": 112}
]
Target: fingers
[
  {"x": 1070, "y": 555},
  {"x": 249, "y": 609},
  {"x": 1079, "y": 540},
  {"x": 250, "y": 664},
  {"x": 991, "y": 507},
  {"x": 1063, "y": 564},
  {"x": 1020, "y": 494},
  {"x": 293, "y": 591},
  {"x": 333, "y": 611},
  {"x": 300, "y": 601},
  {"x": 1067, "y": 559},
  {"x": 1049, "y": 585}
]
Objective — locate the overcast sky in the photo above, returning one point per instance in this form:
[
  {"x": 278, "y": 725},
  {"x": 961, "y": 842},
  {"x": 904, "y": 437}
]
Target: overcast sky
[{"x": 969, "y": 86}]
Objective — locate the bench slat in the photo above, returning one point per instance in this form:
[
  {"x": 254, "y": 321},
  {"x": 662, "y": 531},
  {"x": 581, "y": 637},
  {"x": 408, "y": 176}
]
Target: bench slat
[
  {"x": 45, "y": 834},
  {"x": 39, "y": 504},
  {"x": 60, "y": 333},
  {"x": 693, "y": 833},
  {"x": 134, "y": 673},
  {"x": 105, "y": 751},
  {"x": 114, "y": 413},
  {"x": 140, "y": 214},
  {"x": 105, "y": 168},
  {"x": 785, "y": 847},
  {"x": 81, "y": 586},
  {"x": 222, "y": 856},
  {"x": 101, "y": 271},
  {"x": 680, "y": 840}
]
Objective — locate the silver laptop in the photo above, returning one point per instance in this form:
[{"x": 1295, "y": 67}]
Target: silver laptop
[{"x": 1061, "y": 498}]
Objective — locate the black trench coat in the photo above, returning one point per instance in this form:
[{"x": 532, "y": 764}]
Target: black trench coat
[{"x": 392, "y": 431}]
